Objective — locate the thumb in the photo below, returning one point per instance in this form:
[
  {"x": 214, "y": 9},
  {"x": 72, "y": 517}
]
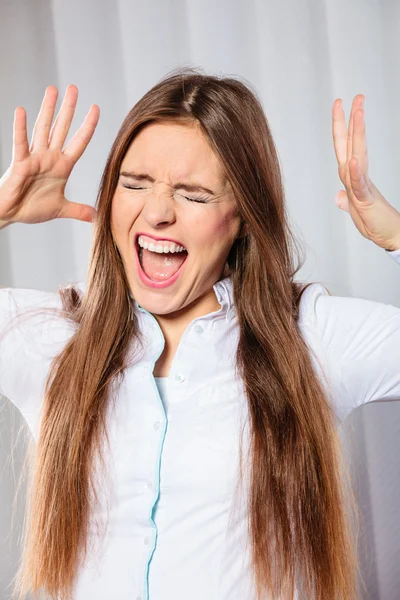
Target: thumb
[
  {"x": 342, "y": 200},
  {"x": 80, "y": 212}
]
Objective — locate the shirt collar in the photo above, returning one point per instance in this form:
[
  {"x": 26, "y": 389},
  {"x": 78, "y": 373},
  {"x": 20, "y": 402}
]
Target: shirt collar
[{"x": 224, "y": 293}]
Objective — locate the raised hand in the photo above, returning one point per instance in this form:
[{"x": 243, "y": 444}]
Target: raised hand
[
  {"x": 32, "y": 188},
  {"x": 374, "y": 217}
]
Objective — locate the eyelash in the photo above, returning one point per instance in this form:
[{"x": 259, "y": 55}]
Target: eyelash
[{"x": 201, "y": 200}]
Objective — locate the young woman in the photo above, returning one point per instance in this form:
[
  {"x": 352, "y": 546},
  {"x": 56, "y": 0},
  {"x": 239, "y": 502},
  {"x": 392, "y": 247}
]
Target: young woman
[{"x": 185, "y": 402}]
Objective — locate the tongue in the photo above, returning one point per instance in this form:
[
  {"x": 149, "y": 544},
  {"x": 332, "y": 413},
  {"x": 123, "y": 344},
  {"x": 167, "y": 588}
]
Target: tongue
[{"x": 159, "y": 266}]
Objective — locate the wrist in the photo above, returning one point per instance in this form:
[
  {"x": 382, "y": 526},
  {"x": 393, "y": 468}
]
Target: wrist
[
  {"x": 393, "y": 245},
  {"x": 3, "y": 224}
]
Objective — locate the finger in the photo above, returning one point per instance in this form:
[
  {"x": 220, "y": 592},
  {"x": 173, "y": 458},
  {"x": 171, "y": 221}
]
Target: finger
[
  {"x": 359, "y": 185},
  {"x": 339, "y": 132},
  {"x": 342, "y": 200},
  {"x": 64, "y": 118},
  {"x": 20, "y": 137},
  {"x": 357, "y": 103},
  {"x": 74, "y": 210},
  {"x": 78, "y": 143},
  {"x": 360, "y": 140},
  {"x": 40, "y": 135}
]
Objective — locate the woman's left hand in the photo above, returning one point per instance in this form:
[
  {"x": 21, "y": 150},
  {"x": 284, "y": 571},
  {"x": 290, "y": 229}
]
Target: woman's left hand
[{"x": 374, "y": 217}]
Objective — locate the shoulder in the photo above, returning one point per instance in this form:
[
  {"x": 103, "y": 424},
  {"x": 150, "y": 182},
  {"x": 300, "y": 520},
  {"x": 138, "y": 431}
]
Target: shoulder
[
  {"x": 34, "y": 316},
  {"x": 31, "y": 335},
  {"x": 15, "y": 300},
  {"x": 31, "y": 316},
  {"x": 18, "y": 303},
  {"x": 354, "y": 344},
  {"x": 310, "y": 297},
  {"x": 320, "y": 309}
]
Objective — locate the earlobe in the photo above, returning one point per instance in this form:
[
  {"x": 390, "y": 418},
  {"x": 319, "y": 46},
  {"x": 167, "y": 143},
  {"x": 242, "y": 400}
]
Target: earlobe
[{"x": 243, "y": 230}]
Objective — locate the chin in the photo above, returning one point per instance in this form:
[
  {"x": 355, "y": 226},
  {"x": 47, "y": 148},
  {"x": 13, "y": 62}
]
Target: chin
[{"x": 156, "y": 303}]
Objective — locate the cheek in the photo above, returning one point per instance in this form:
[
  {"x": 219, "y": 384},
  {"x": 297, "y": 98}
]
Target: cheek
[
  {"x": 122, "y": 214},
  {"x": 227, "y": 226}
]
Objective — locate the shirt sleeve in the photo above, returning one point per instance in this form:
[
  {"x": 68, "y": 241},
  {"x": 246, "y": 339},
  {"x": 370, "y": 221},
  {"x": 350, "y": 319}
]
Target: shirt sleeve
[
  {"x": 27, "y": 347},
  {"x": 355, "y": 344},
  {"x": 394, "y": 254}
]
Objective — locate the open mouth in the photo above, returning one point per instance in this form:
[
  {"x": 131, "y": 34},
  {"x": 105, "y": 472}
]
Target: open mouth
[{"x": 162, "y": 265}]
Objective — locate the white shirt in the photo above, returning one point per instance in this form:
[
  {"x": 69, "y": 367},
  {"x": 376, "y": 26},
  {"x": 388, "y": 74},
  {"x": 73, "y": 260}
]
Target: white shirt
[{"x": 171, "y": 534}]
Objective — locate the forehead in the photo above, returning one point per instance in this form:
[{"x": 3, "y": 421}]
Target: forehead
[{"x": 176, "y": 150}]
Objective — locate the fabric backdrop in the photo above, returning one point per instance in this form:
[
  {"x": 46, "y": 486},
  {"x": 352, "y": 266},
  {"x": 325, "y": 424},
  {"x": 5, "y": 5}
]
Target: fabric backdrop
[{"x": 299, "y": 55}]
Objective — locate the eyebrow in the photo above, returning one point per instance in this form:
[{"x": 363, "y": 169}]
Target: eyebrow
[{"x": 180, "y": 185}]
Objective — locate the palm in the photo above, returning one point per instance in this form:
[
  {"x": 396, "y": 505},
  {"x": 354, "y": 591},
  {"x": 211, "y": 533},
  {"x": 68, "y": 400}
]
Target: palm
[
  {"x": 32, "y": 189},
  {"x": 373, "y": 216}
]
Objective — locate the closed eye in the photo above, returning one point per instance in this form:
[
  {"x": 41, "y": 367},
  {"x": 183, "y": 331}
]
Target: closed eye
[{"x": 202, "y": 200}]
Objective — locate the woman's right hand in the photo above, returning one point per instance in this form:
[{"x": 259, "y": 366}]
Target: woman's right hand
[{"x": 32, "y": 188}]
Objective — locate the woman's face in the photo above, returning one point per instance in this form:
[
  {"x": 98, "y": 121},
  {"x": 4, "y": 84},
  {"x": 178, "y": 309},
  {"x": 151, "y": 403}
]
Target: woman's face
[{"x": 164, "y": 161}]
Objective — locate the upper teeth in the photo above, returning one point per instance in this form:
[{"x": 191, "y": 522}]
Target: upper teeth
[{"x": 160, "y": 246}]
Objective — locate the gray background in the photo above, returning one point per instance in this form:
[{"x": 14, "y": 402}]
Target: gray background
[{"x": 300, "y": 55}]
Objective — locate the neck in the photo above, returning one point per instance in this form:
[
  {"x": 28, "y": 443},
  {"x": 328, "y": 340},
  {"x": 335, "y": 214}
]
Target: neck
[{"x": 174, "y": 324}]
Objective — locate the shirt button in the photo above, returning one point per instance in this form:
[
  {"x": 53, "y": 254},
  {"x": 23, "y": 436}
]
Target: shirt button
[
  {"x": 156, "y": 425},
  {"x": 146, "y": 541},
  {"x": 198, "y": 329},
  {"x": 179, "y": 377}
]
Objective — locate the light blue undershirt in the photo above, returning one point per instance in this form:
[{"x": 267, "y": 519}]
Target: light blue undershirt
[{"x": 162, "y": 386}]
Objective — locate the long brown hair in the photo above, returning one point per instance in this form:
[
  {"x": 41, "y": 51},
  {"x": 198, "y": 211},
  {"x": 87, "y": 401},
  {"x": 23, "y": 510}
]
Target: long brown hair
[{"x": 300, "y": 518}]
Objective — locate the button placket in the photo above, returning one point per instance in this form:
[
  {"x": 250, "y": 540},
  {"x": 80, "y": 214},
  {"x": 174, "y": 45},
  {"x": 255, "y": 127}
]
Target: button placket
[{"x": 180, "y": 377}]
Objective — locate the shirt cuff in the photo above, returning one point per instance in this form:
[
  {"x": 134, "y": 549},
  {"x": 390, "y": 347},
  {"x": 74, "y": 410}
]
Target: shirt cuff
[{"x": 394, "y": 254}]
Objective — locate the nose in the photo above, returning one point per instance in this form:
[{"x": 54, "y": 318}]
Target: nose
[{"x": 159, "y": 209}]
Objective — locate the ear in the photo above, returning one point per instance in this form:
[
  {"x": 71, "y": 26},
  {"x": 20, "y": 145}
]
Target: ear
[{"x": 244, "y": 230}]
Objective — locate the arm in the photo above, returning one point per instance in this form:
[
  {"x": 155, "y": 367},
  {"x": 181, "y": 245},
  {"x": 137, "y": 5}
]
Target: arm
[
  {"x": 358, "y": 341},
  {"x": 355, "y": 343},
  {"x": 27, "y": 345}
]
